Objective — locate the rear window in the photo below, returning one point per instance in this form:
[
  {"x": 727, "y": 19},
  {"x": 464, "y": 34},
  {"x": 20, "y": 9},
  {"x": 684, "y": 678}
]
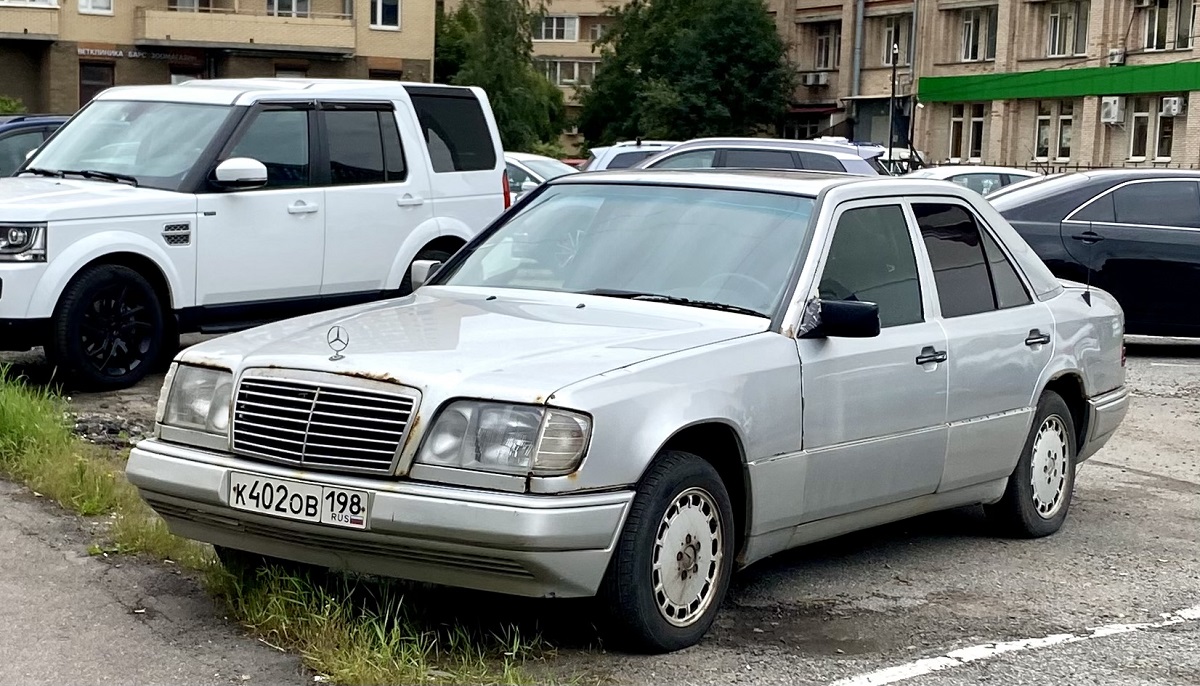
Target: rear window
[
  {"x": 455, "y": 129},
  {"x": 818, "y": 162},
  {"x": 626, "y": 160}
]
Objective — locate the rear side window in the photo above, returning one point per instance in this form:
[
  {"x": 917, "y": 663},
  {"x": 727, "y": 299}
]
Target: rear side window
[
  {"x": 818, "y": 162},
  {"x": 355, "y": 146},
  {"x": 1162, "y": 203},
  {"x": 455, "y": 129},
  {"x": 759, "y": 159},
  {"x": 972, "y": 273},
  {"x": 626, "y": 160},
  {"x": 698, "y": 159}
]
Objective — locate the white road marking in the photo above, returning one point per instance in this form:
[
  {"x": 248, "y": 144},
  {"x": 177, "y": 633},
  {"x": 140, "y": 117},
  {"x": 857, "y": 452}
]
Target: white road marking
[
  {"x": 1175, "y": 364},
  {"x": 962, "y": 656}
]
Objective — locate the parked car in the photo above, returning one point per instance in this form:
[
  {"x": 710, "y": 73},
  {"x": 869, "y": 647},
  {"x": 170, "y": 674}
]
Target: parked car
[
  {"x": 981, "y": 179},
  {"x": 769, "y": 153},
  {"x": 1024, "y": 183},
  {"x": 527, "y": 171},
  {"x": 1132, "y": 232},
  {"x": 624, "y": 155},
  {"x": 215, "y": 205},
  {"x": 733, "y": 364},
  {"x": 21, "y": 134}
]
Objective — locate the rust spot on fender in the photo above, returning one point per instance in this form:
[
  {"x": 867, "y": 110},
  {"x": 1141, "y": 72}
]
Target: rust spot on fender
[
  {"x": 372, "y": 376},
  {"x": 790, "y": 331},
  {"x": 195, "y": 360},
  {"x": 412, "y": 432}
]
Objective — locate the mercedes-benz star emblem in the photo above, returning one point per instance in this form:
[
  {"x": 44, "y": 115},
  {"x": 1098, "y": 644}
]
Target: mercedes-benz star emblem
[{"x": 338, "y": 339}]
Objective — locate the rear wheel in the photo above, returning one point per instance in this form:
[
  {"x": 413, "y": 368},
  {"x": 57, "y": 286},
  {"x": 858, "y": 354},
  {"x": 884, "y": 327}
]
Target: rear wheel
[
  {"x": 1040, "y": 488},
  {"x": 427, "y": 254},
  {"x": 108, "y": 329}
]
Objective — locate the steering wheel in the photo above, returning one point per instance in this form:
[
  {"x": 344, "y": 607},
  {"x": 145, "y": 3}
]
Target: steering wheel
[{"x": 767, "y": 292}]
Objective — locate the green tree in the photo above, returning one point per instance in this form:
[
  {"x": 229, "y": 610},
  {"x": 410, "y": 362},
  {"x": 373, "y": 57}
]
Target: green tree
[
  {"x": 497, "y": 56},
  {"x": 11, "y": 105},
  {"x": 682, "y": 69},
  {"x": 454, "y": 30}
]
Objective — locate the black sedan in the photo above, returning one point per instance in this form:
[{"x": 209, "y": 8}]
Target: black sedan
[{"x": 1133, "y": 232}]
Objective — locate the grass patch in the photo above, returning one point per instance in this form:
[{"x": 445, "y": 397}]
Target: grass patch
[{"x": 353, "y": 630}]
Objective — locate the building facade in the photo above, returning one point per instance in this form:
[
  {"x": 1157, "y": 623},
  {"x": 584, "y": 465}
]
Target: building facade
[
  {"x": 55, "y": 55},
  {"x": 564, "y": 49}
]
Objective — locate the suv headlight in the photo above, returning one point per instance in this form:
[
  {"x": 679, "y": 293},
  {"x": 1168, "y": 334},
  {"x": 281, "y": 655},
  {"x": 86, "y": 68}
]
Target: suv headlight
[
  {"x": 197, "y": 399},
  {"x": 511, "y": 439},
  {"x": 22, "y": 242}
]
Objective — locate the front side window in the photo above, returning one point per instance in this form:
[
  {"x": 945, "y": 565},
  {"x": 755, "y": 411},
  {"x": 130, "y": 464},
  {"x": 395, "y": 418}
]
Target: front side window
[
  {"x": 279, "y": 139},
  {"x": 979, "y": 34},
  {"x": 13, "y": 149},
  {"x": 698, "y": 159},
  {"x": 158, "y": 143},
  {"x": 732, "y": 247},
  {"x": 517, "y": 176},
  {"x": 960, "y": 270},
  {"x": 871, "y": 259},
  {"x": 557, "y": 28},
  {"x": 1067, "y": 28},
  {"x": 385, "y": 14}
]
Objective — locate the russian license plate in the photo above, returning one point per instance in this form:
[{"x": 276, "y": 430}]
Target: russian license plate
[{"x": 298, "y": 500}]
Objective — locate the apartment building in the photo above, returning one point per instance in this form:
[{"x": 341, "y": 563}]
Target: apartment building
[
  {"x": 563, "y": 48},
  {"x": 1060, "y": 82},
  {"x": 55, "y": 55}
]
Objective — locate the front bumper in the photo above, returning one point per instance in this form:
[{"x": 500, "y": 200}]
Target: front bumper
[
  {"x": 553, "y": 546},
  {"x": 1105, "y": 413}
]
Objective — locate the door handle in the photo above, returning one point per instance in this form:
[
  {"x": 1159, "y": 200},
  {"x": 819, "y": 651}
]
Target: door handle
[
  {"x": 1036, "y": 337},
  {"x": 930, "y": 355},
  {"x": 301, "y": 207},
  {"x": 1088, "y": 237},
  {"x": 410, "y": 201}
]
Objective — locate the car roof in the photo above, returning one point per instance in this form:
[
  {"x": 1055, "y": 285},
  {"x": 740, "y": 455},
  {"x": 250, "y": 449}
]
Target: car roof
[
  {"x": 1137, "y": 173},
  {"x": 836, "y": 147},
  {"x": 792, "y": 181},
  {"x": 31, "y": 119},
  {"x": 249, "y": 91},
  {"x": 953, "y": 169},
  {"x": 525, "y": 156}
]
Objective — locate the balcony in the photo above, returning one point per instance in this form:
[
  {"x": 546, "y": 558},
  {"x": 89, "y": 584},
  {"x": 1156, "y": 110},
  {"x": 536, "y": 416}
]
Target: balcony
[
  {"x": 32, "y": 21},
  {"x": 224, "y": 27}
]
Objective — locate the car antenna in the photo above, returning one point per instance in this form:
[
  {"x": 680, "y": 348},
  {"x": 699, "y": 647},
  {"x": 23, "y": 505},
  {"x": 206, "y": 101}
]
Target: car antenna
[{"x": 1087, "y": 291}]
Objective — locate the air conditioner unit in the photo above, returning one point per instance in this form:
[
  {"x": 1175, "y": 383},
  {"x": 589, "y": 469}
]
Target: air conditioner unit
[
  {"x": 816, "y": 78},
  {"x": 1116, "y": 56},
  {"x": 1171, "y": 107},
  {"x": 1112, "y": 109}
]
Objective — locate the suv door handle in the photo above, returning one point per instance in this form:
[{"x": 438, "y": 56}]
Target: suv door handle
[
  {"x": 410, "y": 201},
  {"x": 930, "y": 355},
  {"x": 1088, "y": 237},
  {"x": 1036, "y": 337},
  {"x": 301, "y": 207}
]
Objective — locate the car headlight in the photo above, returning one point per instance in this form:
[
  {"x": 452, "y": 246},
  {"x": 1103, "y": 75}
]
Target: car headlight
[
  {"x": 198, "y": 399},
  {"x": 511, "y": 439},
  {"x": 22, "y": 242}
]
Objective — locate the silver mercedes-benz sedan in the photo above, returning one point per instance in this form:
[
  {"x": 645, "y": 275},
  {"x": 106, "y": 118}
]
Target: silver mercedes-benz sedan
[{"x": 634, "y": 383}]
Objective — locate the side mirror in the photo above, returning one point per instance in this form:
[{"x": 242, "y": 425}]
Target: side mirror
[
  {"x": 846, "y": 319},
  {"x": 240, "y": 173},
  {"x": 422, "y": 270},
  {"x": 528, "y": 186},
  {"x": 29, "y": 154}
]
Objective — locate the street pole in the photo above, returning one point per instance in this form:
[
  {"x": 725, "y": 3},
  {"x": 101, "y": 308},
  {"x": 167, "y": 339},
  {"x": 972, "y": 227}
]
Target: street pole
[{"x": 891, "y": 137}]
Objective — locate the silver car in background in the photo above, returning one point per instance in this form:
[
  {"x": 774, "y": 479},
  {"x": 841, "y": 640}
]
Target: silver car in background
[{"x": 729, "y": 365}]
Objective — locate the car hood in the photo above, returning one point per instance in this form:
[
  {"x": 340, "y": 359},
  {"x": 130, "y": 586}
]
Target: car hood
[
  {"x": 520, "y": 346},
  {"x": 40, "y": 199}
]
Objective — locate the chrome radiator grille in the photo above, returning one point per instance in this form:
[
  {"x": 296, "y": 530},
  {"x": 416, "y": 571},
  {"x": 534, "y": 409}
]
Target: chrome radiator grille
[{"x": 320, "y": 424}]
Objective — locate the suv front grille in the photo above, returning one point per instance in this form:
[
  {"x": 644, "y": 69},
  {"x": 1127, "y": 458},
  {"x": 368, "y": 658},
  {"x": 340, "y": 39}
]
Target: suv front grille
[{"x": 321, "y": 425}]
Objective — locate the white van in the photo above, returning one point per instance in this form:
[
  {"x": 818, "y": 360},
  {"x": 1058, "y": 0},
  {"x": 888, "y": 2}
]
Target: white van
[{"x": 217, "y": 205}]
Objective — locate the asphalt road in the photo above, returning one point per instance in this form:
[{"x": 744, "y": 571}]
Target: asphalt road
[{"x": 1111, "y": 600}]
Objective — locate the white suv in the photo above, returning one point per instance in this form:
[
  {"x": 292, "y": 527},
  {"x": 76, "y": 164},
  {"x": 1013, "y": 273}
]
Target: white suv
[
  {"x": 218, "y": 205},
  {"x": 625, "y": 154}
]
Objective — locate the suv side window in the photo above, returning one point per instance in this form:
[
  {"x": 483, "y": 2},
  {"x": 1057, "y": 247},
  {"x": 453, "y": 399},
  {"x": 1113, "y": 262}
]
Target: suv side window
[
  {"x": 1162, "y": 203},
  {"x": 818, "y": 162},
  {"x": 278, "y": 137},
  {"x": 759, "y": 159},
  {"x": 455, "y": 129},
  {"x": 13, "y": 149},
  {"x": 971, "y": 272},
  {"x": 871, "y": 259},
  {"x": 517, "y": 176},
  {"x": 355, "y": 142},
  {"x": 697, "y": 159},
  {"x": 625, "y": 160}
]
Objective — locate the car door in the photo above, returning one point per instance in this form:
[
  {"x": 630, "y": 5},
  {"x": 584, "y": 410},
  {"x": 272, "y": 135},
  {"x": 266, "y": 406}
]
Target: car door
[
  {"x": 373, "y": 199},
  {"x": 1141, "y": 241},
  {"x": 874, "y": 408},
  {"x": 999, "y": 341}
]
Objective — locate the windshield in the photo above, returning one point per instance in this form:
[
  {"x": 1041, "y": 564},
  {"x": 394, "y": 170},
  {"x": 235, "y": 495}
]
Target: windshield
[
  {"x": 730, "y": 247},
  {"x": 156, "y": 143},
  {"x": 550, "y": 169}
]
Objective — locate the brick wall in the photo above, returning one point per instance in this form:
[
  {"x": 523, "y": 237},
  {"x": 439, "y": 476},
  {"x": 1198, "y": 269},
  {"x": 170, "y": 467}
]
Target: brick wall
[{"x": 21, "y": 73}]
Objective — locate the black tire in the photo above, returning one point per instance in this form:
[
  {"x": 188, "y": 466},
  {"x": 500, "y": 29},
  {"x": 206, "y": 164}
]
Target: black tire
[
  {"x": 426, "y": 254},
  {"x": 108, "y": 329},
  {"x": 635, "y": 620},
  {"x": 1022, "y": 513}
]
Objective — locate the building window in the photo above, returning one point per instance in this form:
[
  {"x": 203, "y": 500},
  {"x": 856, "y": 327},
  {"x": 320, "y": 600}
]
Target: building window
[
  {"x": 1139, "y": 132},
  {"x": 95, "y": 6},
  {"x": 1067, "y": 28},
  {"x": 1041, "y": 144},
  {"x": 1156, "y": 24},
  {"x": 896, "y": 31},
  {"x": 1166, "y": 136},
  {"x": 189, "y": 5},
  {"x": 829, "y": 45},
  {"x": 31, "y": 3},
  {"x": 558, "y": 29},
  {"x": 975, "y": 145},
  {"x": 956, "y": 131},
  {"x": 287, "y": 8},
  {"x": 385, "y": 14},
  {"x": 569, "y": 72},
  {"x": 803, "y": 128},
  {"x": 979, "y": 34},
  {"x": 1185, "y": 19},
  {"x": 1066, "y": 123},
  {"x": 93, "y": 78},
  {"x": 597, "y": 31}
]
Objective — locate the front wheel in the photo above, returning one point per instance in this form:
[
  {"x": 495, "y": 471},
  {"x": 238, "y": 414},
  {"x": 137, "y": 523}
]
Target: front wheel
[
  {"x": 108, "y": 329},
  {"x": 672, "y": 565},
  {"x": 1040, "y": 488}
]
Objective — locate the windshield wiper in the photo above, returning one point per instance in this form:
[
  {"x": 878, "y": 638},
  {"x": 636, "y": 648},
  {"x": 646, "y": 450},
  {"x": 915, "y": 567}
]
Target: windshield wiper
[
  {"x": 673, "y": 299},
  {"x": 102, "y": 175},
  {"x": 41, "y": 172}
]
